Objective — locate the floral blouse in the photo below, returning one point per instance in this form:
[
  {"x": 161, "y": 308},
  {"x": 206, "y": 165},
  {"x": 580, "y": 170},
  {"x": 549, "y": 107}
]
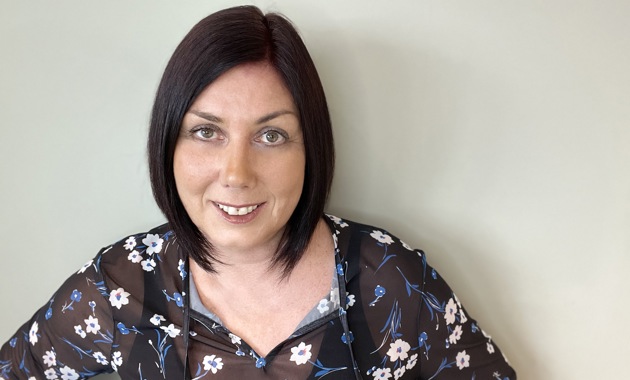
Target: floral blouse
[{"x": 133, "y": 309}]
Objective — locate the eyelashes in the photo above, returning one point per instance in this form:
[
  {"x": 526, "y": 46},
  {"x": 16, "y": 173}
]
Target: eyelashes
[
  {"x": 269, "y": 136},
  {"x": 273, "y": 137},
  {"x": 203, "y": 133}
]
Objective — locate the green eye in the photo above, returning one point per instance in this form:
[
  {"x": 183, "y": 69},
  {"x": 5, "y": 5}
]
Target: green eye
[
  {"x": 271, "y": 136},
  {"x": 206, "y": 133}
]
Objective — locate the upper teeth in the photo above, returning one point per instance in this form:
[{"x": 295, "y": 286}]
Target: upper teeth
[{"x": 237, "y": 210}]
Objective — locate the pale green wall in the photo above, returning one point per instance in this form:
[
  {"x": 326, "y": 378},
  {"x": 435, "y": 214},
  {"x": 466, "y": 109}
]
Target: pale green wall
[{"x": 493, "y": 134}]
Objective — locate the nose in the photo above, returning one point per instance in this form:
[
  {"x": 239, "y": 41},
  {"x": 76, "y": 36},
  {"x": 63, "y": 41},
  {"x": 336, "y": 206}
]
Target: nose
[{"x": 237, "y": 171}]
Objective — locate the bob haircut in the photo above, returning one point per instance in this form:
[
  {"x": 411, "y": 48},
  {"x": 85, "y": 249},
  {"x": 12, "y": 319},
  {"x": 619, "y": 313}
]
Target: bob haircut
[{"x": 219, "y": 42}]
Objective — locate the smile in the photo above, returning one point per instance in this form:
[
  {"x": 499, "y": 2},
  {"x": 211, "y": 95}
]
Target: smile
[{"x": 237, "y": 210}]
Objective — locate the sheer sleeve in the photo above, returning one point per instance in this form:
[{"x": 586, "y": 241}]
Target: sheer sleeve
[
  {"x": 453, "y": 344},
  {"x": 405, "y": 320},
  {"x": 68, "y": 338}
]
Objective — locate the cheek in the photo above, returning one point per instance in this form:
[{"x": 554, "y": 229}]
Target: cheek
[
  {"x": 190, "y": 171},
  {"x": 293, "y": 181}
]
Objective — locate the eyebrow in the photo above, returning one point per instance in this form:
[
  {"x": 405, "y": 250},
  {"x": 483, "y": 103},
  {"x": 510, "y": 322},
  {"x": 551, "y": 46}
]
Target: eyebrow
[
  {"x": 207, "y": 116},
  {"x": 274, "y": 115},
  {"x": 215, "y": 119}
]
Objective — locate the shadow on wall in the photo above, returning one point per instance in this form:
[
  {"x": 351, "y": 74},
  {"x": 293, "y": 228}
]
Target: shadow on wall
[{"x": 398, "y": 115}]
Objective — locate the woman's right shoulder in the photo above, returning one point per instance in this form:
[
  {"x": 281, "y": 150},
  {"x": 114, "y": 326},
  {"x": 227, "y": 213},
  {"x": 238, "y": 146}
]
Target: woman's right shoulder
[{"x": 137, "y": 252}]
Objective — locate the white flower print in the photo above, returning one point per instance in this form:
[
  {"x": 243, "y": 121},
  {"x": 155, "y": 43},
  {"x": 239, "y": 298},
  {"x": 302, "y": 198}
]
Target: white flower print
[
  {"x": 382, "y": 373},
  {"x": 382, "y": 237},
  {"x": 398, "y": 350},
  {"x": 459, "y": 304},
  {"x": 118, "y": 298},
  {"x": 51, "y": 374},
  {"x": 399, "y": 372},
  {"x": 338, "y": 221},
  {"x": 349, "y": 299},
  {"x": 407, "y": 246},
  {"x": 153, "y": 243},
  {"x": 116, "y": 360},
  {"x": 450, "y": 311},
  {"x": 212, "y": 363},
  {"x": 462, "y": 360},
  {"x": 301, "y": 354},
  {"x": 181, "y": 265},
  {"x": 85, "y": 266},
  {"x": 334, "y": 297},
  {"x": 412, "y": 361},
  {"x": 130, "y": 243},
  {"x": 171, "y": 330},
  {"x": 157, "y": 319},
  {"x": 134, "y": 256},
  {"x": 455, "y": 335},
  {"x": 79, "y": 330},
  {"x": 50, "y": 358},
  {"x": 462, "y": 316},
  {"x": 91, "y": 325},
  {"x": 490, "y": 347},
  {"x": 485, "y": 334},
  {"x": 32, "y": 334},
  {"x": 323, "y": 306},
  {"x": 100, "y": 358},
  {"x": 148, "y": 265},
  {"x": 68, "y": 373},
  {"x": 235, "y": 339}
]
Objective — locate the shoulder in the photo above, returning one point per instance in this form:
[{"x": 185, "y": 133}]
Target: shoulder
[
  {"x": 138, "y": 253},
  {"x": 372, "y": 249}
]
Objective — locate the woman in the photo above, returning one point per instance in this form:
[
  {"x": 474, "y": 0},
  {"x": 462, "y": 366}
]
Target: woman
[{"x": 249, "y": 278}]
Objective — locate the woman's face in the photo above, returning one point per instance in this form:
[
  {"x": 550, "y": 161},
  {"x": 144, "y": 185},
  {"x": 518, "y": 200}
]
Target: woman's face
[{"x": 239, "y": 159}]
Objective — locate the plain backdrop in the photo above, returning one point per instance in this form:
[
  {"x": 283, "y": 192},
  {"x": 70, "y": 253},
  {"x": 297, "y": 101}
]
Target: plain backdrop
[{"x": 492, "y": 134}]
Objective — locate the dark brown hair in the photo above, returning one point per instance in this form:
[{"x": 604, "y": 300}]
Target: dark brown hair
[{"x": 219, "y": 42}]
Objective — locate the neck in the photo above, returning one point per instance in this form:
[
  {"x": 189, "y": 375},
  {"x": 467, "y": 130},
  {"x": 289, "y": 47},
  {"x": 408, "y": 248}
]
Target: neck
[{"x": 254, "y": 266}]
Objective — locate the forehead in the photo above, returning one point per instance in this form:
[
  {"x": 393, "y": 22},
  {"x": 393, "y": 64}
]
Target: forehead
[{"x": 247, "y": 88}]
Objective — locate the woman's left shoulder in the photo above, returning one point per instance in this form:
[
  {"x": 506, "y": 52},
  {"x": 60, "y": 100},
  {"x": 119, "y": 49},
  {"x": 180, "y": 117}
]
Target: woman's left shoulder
[{"x": 373, "y": 244}]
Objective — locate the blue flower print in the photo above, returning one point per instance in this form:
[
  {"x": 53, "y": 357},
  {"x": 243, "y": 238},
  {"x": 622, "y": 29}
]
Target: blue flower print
[
  {"x": 379, "y": 292},
  {"x": 177, "y": 297},
  {"x": 74, "y": 297},
  {"x": 422, "y": 342},
  {"x": 179, "y": 300},
  {"x": 260, "y": 362},
  {"x": 181, "y": 266},
  {"x": 126, "y": 330},
  {"x": 340, "y": 269},
  {"x": 122, "y": 328},
  {"x": 347, "y": 338}
]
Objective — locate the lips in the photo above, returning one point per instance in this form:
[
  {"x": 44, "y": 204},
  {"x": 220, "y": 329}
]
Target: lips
[{"x": 234, "y": 211}]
